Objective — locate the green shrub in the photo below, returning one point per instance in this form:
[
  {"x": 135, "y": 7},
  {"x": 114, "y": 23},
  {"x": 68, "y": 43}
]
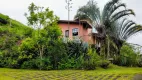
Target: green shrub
[
  {"x": 89, "y": 66},
  {"x": 104, "y": 64},
  {"x": 43, "y": 64},
  {"x": 3, "y": 19},
  {"x": 28, "y": 48},
  {"x": 1, "y": 60},
  {"x": 67, "y": 64},
  {"x": 29, "y": 64},
  {"x": 11, "y": 63},
  {"x": 37, "y": 63},
  {"x": 128, "y": 56},
  {"x": 140, "y": 61},
  {"x": 92, "y": 60},
  {"x": 75, "y": 49},
  {"x": 140, "y": 64}
]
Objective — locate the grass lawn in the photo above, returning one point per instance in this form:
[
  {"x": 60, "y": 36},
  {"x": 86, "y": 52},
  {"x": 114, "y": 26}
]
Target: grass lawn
[{"x": 117, "y": 73}]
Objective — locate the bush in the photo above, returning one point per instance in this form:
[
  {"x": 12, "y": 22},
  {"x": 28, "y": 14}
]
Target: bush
[
  {"x": 1, "y": 60},
  {"x": 37, "y": 63},
  {"x": 3, "y": 19},
  {"x": 140, "y": 61},
  {"x": 71, "y": 63},
  {"x": 92, "y": 60},
  {"x": 140, "y": 64},
  {"x": 75, "y": 49},
  {"x": 29, "y": 64},
  {"x": 128, "y": 56},
  {"x": 89, "y": 66},
  {"x": 67, "y": 64},
  {"x": 104, "y": 64},
  {"x": 28, "y": 47},
  {"x": 43, "y": 64}
]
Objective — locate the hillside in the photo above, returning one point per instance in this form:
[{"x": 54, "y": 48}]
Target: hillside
[
  {"x": 12, "y": 26},
  {"x": 12, "y": 33}
]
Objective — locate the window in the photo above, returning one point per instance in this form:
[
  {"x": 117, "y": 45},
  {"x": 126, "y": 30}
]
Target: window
[
  {"x": 75, "y": 32},
  {"x": 67, "y": 33}
]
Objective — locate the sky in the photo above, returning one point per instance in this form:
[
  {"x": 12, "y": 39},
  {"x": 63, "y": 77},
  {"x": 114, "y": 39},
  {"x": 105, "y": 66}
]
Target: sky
[{"x": 16, "y": 9}]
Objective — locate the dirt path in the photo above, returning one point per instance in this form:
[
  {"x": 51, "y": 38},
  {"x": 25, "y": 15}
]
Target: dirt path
[{"x": 138, "y": 77}]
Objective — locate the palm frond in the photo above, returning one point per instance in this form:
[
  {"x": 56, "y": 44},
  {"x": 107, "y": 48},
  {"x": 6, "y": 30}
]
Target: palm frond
[
  {"x": 132, "y": 31},
  {"x": 126, "y": 29},
  {"x": 107, "y": 8},
  {"x": 116, "y": 7},
  {"x": 90, "y": 12},
  {"x": 121, "y": 14}
]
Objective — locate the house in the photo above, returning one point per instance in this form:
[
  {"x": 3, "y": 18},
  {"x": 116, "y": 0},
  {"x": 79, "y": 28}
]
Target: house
[{"x": 77, "y": 30}]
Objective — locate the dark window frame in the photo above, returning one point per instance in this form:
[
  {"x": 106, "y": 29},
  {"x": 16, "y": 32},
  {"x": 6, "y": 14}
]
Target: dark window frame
[
  {"x": 66, "y": 33},
  {"x": 75, "y": 31}
]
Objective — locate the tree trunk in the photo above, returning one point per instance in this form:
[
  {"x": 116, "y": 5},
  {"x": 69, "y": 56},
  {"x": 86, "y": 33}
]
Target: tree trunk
[
  {"x": 41, "y": 49},
  {"x": 108, "y": 49}
]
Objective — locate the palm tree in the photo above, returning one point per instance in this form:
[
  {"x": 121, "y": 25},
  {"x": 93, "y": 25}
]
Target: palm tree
[
  {"x": 126, "y": 28},
  {"x": 108, "y": 16},
  {"x": 104, "y": 21},
  {"x": 123, "y": 29}
]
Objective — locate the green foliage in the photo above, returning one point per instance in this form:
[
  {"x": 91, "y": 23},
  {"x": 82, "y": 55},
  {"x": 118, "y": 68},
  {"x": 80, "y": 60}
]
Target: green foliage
[
  {"x": 47, "y": 32},
  {"x": 10, "y": 59},
  {"x": 67, "y": 64},
  {"x": 30, "y": 64},
  {"x": 56, "y": 51},
  {"x": 16, "y": 27},
  {"x": 75, "y": 49},
  {"x": 140, "y": 61},
  {"x": 104, "y": 64},
  {"x": 74, "y": 57},
  {"x": 53, "y": 31},
  {"x": 11, "y": 38},
  {"x": 28, "y": 43},
  {"x": 71, "y": 63},
  {"x": 37, "y": 63},
  {"x": 40, "y": 17},
  {"x": 112, "y": 31},
  {"x": 42, "y": 47},
  {"x": 28, "y": 50},
  {"x": 92, "y": 60},
  {"x": 128, "y": 57},
  {"x": 3, "y": 19},
  {"x": 44, "y": 64}
]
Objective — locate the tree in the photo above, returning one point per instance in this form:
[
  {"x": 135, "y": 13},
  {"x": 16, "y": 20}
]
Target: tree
[
  {"x": 123, "y": 29},
  {"x": 45, "y": 23},
  {"x": 39, "y": 18},
  {"x": 128, "y": 56},
  {"x": 104, "y": 21},
  {"x": 126, "y": 28}
]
